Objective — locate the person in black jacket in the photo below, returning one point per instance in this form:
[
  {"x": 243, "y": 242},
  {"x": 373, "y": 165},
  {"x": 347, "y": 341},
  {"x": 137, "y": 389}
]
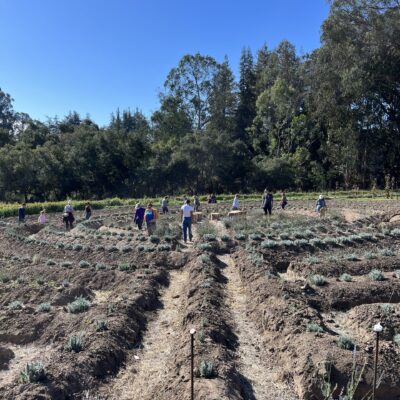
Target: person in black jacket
[{"x": 267, "y": 202}]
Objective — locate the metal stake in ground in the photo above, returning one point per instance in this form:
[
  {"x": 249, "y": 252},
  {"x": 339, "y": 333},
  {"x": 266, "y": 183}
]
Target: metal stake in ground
[
  {"x": 378, "y": 328},
  {"x": 192, "y": 332}
]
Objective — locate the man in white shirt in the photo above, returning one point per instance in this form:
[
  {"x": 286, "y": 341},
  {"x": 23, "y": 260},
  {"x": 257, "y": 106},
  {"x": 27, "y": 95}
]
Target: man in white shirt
[
  {"x": 186, "y": 215},
  {"x": 235, "y": 203}
]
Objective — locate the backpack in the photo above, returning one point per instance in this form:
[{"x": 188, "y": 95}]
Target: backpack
[{"x": 149, "y": 216}]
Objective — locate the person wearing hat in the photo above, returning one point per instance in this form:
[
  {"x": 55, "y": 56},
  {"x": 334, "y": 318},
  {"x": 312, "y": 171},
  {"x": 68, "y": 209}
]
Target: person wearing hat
[
  {"x": 320, "y": 206},
  {"x": 139, "y": 215},
  {"x": 42, "y": 217}
]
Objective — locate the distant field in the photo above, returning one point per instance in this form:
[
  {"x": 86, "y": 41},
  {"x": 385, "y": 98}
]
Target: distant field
[{"x": 9, "y": 210}]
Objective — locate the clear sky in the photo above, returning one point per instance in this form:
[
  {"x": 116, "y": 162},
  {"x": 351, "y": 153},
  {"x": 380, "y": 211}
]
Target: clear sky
[{"x": 93, "y": 56}]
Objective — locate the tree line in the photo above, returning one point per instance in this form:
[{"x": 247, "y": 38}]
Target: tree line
[{"x": 327, "y": 119}]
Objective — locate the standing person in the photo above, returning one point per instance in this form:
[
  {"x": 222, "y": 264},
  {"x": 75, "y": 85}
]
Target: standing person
[
  {"x": 88, "y": 211},
  {"x": 267, "y": 202},
  {"x": 68, "y": 216},
  {"x": 283, "y": 201},
  {"x": 187, "y": 215},
  {"x": 213, "y": 199},
  {"x": 139, "y": 215},
  {"x": 209, "y": 199},
  {"x": 235, "y": 203},
  {"x": 151, "y": 216},
  {"x": 164, "y": 205},
  {"x": 21, "y": 214},
  {"x": 42, "y": 217},
  {"x": 196, "y": 203},
  {"x": 320, "y": 206}
]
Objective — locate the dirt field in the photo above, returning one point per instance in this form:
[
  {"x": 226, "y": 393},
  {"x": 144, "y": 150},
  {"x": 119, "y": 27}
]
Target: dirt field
[{"x": 283, "y": 306}]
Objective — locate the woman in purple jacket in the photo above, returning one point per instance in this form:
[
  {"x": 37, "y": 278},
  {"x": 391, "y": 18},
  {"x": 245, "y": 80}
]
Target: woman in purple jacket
[{"x": 139, "y": 215}]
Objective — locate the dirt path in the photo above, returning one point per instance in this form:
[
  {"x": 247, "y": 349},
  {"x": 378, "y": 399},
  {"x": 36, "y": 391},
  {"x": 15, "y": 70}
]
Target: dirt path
[
  {"x": 149, "y": 365},
  {"x": 260, "y": 380}
]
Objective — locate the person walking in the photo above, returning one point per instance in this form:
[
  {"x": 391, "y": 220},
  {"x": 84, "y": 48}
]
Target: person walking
[
  {"x": 68, "y": 216},
  {"x": 138, "y": 218},
  {"x": 186, "y": 216},
  {"x": 267, "y": 202},
  {"x": 164, "y": 205},
  {"x": 196, "y": 202},
  {"x": 320, "y": 206},
  {"x": 88, "y": 211},
  {"x": 42, "y": 217},
  {"x": 284, "y": 201},
  {"x": 151, "y": 216},
  {"x": 235, "y": 203},
  {"x": 21, "y": 214}
]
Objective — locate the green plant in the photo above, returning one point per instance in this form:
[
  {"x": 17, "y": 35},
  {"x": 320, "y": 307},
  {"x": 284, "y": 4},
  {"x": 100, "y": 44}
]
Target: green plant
[
  {"x": 101, "y": 325},
  {"x": 164, "y": 247},
  {"x": 209, "y": 237},
  {"x": 33, "y": 372},
  {"x": 99, "y": 247},
  {"x": 312, "y": 260},
  {"x": 205, "y": 228},
  {"x": 75, "y": 343},
  {"x": 345, "y": 278},
  {"x": 4, "y": 278},
  {"x": 269, "y": 244},
  {"x": 206, "y": 369},
  {"x": 66, "y": 264},
  {"x": 124, "y": 267},
  {"x": 225, "y": 238},
  {"x": 345, "y": 342},
  {"x": 376, "y": 275},
  {"x": 205, "y": 246},
  {"x": 15, "y": 305},
  {"x": 387, "y": 308},
  {"x": 386, "y": 252},
  {"x": 77, "y": 247},
  {"x": 352, "y": 257},
  {"x": 312, "y": 327},
  {"x": 317, "y": 280},
  {"x": 43, "y": 307},
  {"x": 80, "y": 304},
  {"x": 240, "y": 236},
  {"x": 396, "y": 339},
  {"x": 50, "y": 263},
  {"x": 100, "y": 266},
  {"x": 84, "y": 264},
  {"x": 397, "y": 273},
  {"x": 154, "y": 239},
  {"x": 369, "y": 256}
]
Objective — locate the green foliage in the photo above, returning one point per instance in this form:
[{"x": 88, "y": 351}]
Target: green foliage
[
  {"x": 396, "y": 339},
  {"x": 101, "y": 325},
  {"x": 345, "y": 342},
  {"x": 345, "y": 278},
  {"x": 80, "y": 304},
  {"x": 387, "y": 309},
  {"x": 100, "y": 266},
  {"x": 317, "y": 280},
  {"x": 33, "y": 372},
  {"x": 15, "y": 305},
  {"x": 43, "y": 307},
  {"x": 206, "y": 369},
  {"x": 312, "y": 327},
  {"x": 376, "y": 275},
  {"x": 84, "y": 264},
  {"x": 74, "y": 344}
]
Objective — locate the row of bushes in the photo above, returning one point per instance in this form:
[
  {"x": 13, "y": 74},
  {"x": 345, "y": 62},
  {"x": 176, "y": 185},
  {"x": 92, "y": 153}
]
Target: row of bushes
[{"x": 10, "y": 210}]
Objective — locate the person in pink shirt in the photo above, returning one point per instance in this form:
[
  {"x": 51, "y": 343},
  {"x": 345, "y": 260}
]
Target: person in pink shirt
[{"x": 42, "y": 217}]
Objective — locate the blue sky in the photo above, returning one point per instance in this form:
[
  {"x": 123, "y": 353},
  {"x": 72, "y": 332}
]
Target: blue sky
[{"x": 93, "y": 56}]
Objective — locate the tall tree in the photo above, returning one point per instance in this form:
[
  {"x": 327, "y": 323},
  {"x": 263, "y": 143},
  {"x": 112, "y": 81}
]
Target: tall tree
[
  {"x": 247, "y": 95},
  {"x": 191, "y": 83}
]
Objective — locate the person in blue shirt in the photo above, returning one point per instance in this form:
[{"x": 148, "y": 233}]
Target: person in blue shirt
[
  {"x": 21, "y": 214},
  {"x": 320, "y": 206}
]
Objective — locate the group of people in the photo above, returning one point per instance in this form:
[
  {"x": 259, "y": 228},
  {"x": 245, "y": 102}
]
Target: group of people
[{"x": 68, "y": 214}]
